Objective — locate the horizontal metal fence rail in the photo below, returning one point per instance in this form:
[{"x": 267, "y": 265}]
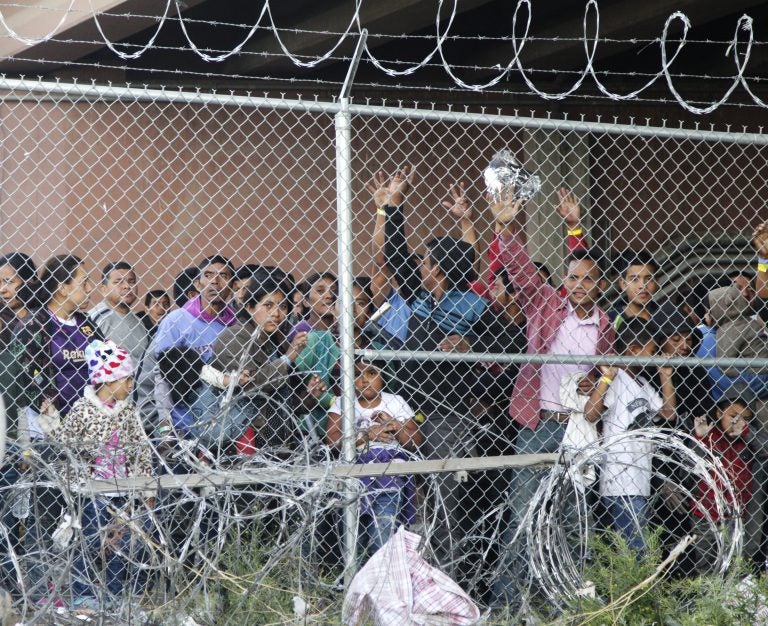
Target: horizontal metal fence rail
[
  {"x": 310, "y": 473},
  {"x": 616, "y": 360},
  {"x": 132, "y": 94}
]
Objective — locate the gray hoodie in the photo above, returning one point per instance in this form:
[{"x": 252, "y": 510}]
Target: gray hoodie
[{"x": 738, "y": 334}]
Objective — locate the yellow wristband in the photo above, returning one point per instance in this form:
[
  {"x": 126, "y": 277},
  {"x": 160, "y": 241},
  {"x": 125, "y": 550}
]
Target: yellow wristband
[
  {"x": 606, "y": 380},
  {"x": 381, "y": 211},
  {"x": 762, "y": 267},
  {"x": 576, "y": 232}
]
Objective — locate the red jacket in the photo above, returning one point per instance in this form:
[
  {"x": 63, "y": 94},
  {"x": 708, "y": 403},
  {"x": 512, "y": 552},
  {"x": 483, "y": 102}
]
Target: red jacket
[
  {"x": 482, "y": 287},
  {"x": 736, "y": 459}
]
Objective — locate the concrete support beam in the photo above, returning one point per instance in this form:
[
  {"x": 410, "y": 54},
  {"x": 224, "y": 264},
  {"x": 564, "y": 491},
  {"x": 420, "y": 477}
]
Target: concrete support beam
[{"x": 559, "y": 160}]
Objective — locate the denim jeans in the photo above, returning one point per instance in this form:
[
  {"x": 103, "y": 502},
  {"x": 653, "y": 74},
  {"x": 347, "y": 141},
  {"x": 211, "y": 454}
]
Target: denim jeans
[
  {"x": 214, "y": 426},
  {"x": 628, "y": 516},
  {"x": 513, "y": 562},
  {"x": 380, "y": 524},
  {"x": 47, "y": 507},
  {"x": 445, "y": 438},
  {"x": 99, "y": 565}
]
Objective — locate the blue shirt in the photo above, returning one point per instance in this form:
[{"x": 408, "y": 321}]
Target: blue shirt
[
  {"x": 181, "y": 329},
  {"x": 758, "y": 383},
  {"x": 395, "y": 320}
]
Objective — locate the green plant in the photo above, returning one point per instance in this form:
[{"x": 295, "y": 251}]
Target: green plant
[{"x": 636, "y": 590}]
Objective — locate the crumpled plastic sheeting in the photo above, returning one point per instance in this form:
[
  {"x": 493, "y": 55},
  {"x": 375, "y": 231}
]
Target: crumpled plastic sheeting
[
  {"x": 397, "y": 587},
  {"x": 504, "y": 176}
]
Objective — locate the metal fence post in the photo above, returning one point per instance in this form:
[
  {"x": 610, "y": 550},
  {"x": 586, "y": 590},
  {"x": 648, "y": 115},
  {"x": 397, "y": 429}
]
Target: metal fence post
[{"x": 343, "y": 123}]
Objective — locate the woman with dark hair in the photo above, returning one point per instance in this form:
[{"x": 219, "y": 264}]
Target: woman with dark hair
[
  {"x": 256, "y": 348},
  {"x": 320, "y": 303},
  {"x": 19, "y": 286},
  {"x": 51, "y": 347},
  {"x": 320, "y": 360},
  {"x": 54, "y": 341}
]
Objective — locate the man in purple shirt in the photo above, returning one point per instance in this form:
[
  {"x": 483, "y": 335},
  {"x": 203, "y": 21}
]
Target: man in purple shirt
[{"x": 195, "y": 325}]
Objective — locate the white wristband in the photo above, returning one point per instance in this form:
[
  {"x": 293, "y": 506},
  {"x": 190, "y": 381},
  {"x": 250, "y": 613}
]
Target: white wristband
[{"x": 212, "y": 376}]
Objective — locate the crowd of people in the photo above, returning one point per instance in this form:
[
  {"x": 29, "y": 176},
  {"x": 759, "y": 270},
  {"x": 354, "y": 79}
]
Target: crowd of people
[{"x": 248, "y": 359}]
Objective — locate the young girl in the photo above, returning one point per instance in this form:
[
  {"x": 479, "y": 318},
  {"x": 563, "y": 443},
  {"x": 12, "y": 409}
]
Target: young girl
[
  {"x": 105, "y": 436},
  {"x": 386, "y": 431},
  {"x": 320, "y": 357},
  {"x": 727, "y": 438}
]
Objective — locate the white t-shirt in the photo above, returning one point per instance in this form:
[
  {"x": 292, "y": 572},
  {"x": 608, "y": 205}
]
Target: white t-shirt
[
  {"x": 391, "y": 404},
  {"x": 627, "y": 465}
]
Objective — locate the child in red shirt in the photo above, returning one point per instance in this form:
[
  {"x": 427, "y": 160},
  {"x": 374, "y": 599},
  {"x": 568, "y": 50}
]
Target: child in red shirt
[{"x": 727, "y": 438}]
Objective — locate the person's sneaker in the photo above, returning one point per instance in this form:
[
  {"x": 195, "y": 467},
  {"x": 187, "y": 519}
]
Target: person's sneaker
[{"x": 85, "y": 602}]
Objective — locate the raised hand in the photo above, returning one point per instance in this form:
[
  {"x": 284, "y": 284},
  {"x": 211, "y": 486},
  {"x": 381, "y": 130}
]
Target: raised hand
[
  {"x": 379, "y": 189},
  {"x": 568, "y": 207},
  {"x": 400, "y": 185},
  {"x": 609, "y": 371},
  {"x": 459, "y": 206},
  {"x": 391, "y": 192},
  {"x": 505, "y": 207},
  {"x": 760, "y": 240},
  {"x": 701, "y": 426}
]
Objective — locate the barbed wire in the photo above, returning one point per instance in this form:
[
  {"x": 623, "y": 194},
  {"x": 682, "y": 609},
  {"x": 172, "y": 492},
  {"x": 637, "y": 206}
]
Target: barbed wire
[
  {"x": 739, "y": 48},
  {"x": 347, "y": 59},
  {"x": 187, "y": 537},
  {"x": 371, "y": 35},
  {"x": 282, "y": 82}
]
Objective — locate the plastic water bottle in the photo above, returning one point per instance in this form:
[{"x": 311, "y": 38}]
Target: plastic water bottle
[{"x": 21, "y": 504}]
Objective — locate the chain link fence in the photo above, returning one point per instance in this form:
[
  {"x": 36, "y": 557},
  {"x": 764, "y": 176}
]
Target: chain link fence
[{"x": 266, "y": 264}]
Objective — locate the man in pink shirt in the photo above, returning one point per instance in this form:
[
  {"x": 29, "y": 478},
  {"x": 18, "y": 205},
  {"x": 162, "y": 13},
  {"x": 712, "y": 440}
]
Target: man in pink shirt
[{"x": 558, "y": 323}]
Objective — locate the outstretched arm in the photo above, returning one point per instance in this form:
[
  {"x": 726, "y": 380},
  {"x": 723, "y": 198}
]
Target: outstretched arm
[
  {"x": 382, "y": 283},
  {"x": 459, "y": 207},
  {"x": 379, "y": 188},
  {"x": 521, "y": 271},
  {"x": 403, "y": 265}
]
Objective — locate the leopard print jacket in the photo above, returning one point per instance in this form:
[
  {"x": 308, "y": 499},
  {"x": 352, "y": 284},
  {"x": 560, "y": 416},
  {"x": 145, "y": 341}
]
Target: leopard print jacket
[{"x": 89, "y": 426}]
